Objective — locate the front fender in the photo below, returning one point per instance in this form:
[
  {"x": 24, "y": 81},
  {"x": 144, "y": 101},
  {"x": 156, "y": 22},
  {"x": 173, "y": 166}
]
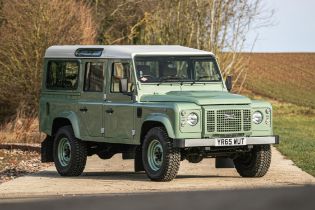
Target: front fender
[
  {"x": 164, "y": 119},
  {"x": 73, "y": 118}
]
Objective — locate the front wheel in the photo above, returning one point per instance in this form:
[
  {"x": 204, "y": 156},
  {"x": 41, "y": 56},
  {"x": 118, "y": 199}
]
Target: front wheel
[
  {"x": 254, "y": 163},
  {"x": 160, "y": 160},
  {"x": 70, "y": 153}
]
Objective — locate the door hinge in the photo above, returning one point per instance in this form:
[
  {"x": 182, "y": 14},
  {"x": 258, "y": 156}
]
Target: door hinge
[
  {"x": 133, "y": 132},
  {"x": 102, "y": 130}
]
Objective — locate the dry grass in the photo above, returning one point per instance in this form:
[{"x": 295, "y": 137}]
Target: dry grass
[{"x": 21, "y": 130}]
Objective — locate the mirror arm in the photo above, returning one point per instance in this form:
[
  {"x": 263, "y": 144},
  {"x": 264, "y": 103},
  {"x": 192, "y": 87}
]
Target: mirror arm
[{"x": 228, "y": 83}]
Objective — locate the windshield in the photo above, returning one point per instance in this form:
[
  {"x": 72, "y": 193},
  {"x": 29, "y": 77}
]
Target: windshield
[{"x": 176, "y": 69}]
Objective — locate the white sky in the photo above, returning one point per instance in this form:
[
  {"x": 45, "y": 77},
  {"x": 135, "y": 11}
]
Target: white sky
[{"x": 293, "y": 29}]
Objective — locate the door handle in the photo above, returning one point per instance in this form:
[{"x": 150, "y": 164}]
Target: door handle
[
  {"x": 83, "y": 109},
  {"x": 110, "y": 111}
]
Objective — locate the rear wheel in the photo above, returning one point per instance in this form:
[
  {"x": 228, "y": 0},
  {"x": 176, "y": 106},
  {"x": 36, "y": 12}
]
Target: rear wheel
[
  {"x": 160, "y": 160},
  {"x": 69, "y": 153},
  {"x": 254, "y": 163}
]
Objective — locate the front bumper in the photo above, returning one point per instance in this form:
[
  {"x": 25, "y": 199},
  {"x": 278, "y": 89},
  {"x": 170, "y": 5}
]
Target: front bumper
[{"x": 252, "y": 140}]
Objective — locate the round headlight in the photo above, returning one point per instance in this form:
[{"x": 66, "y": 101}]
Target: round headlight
[
  {"x": 192, "y": 119},
  {"x": 257, "y": 117}
]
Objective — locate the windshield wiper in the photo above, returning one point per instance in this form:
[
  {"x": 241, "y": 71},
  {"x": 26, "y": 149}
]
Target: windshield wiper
[
  {"x": 173, "y": 79},
  {"x": 161, "y": 80},
  {"x": 198, "y": 80},
  {"x": 202, "y": 77}
]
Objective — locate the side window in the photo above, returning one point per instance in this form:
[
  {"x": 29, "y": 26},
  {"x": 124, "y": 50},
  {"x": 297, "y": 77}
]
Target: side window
[
  {"x": 120, "y": 71},
  {"x": 94, "y": 77},
  {"x": 62, "y": 75}
]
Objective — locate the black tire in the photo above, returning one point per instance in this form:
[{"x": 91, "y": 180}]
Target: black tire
[
  {"x": 77, "y": 154},
  {"x": 254, "y": 163},
  {"x": 170, "y": 158}
]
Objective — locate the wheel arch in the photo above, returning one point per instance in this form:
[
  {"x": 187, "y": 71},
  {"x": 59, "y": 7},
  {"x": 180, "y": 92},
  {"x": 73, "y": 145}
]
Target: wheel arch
[
  {"x": 64, "y": 119},
  {"x": 157, "y": 121}
]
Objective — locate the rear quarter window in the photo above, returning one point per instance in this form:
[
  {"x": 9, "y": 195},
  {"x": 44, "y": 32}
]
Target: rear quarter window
[{"x": 62, "y": 75}]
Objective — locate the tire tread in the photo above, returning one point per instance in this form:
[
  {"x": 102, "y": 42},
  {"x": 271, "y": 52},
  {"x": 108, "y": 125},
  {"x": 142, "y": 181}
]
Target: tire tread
[
  {"x": 78, "y": 160},
  {"x": 172, "y": 162},
  {"x": 261, "y": 164}
]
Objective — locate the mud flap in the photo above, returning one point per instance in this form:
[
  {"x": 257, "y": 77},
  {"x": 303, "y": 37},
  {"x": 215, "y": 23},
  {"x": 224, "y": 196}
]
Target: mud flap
[
  {"x": 224, "y": 163},
  {"x": 138, "y": 164},
  {"x": 47, "y": 150},
  {"x": 129, "y": 153}
]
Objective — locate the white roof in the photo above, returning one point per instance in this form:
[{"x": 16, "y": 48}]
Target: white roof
[{"x": 123, "y": 51}]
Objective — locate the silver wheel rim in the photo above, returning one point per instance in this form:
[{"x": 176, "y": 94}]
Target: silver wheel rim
[
  {"x": 64, "y": 151},
  {"x": 155, "y": 155}
]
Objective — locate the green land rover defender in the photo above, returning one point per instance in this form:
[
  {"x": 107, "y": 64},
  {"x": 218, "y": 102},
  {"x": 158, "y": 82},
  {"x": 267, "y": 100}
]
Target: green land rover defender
[{"x": 158, "y": 105}]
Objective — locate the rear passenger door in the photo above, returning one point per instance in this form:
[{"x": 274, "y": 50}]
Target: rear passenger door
[{"x": 92, "y": 99}]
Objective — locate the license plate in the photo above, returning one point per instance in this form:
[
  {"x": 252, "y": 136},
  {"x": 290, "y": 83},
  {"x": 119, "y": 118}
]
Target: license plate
[{"x": 230, "y": 141}]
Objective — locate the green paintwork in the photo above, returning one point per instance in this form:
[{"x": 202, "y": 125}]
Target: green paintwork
[
  {"x": 160, "y": 103},
  {"x": 263, "y": 128},
  {"x": 198, "y": 97},
  {"x": 164, "y": 119},
  {"x": 72, "y": 117}
]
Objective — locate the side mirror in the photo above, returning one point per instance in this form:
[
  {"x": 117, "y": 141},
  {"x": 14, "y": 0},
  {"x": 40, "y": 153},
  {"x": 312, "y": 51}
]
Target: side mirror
[
  {"x": 123, "y": 85},
  {"x": 228, "y": 83}
]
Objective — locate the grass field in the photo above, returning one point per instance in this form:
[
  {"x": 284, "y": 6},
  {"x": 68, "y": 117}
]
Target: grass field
[
  {"x": 296, "y": 125},
  {"x": 287, "y": 77}
]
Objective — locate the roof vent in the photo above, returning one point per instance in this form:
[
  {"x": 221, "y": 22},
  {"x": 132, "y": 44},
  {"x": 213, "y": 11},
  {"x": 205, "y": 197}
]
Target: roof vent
[{"x": 89, "y": 52}]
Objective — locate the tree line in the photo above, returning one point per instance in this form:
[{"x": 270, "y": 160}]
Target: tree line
[{"x": 28, "y": 27}]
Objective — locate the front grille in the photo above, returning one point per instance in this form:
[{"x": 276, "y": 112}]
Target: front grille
[
  {"x": 228, "y": 120},
  {"x": 210, "y": 121},
  {"x": 247, "y": 122}
]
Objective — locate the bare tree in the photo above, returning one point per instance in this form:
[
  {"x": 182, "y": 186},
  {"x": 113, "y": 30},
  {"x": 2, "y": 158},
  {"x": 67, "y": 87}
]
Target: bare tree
[
  {"x": 31, "y": 27},
  {"x": 118, "y": 20},
  {"x": 2, "y": 19}
]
